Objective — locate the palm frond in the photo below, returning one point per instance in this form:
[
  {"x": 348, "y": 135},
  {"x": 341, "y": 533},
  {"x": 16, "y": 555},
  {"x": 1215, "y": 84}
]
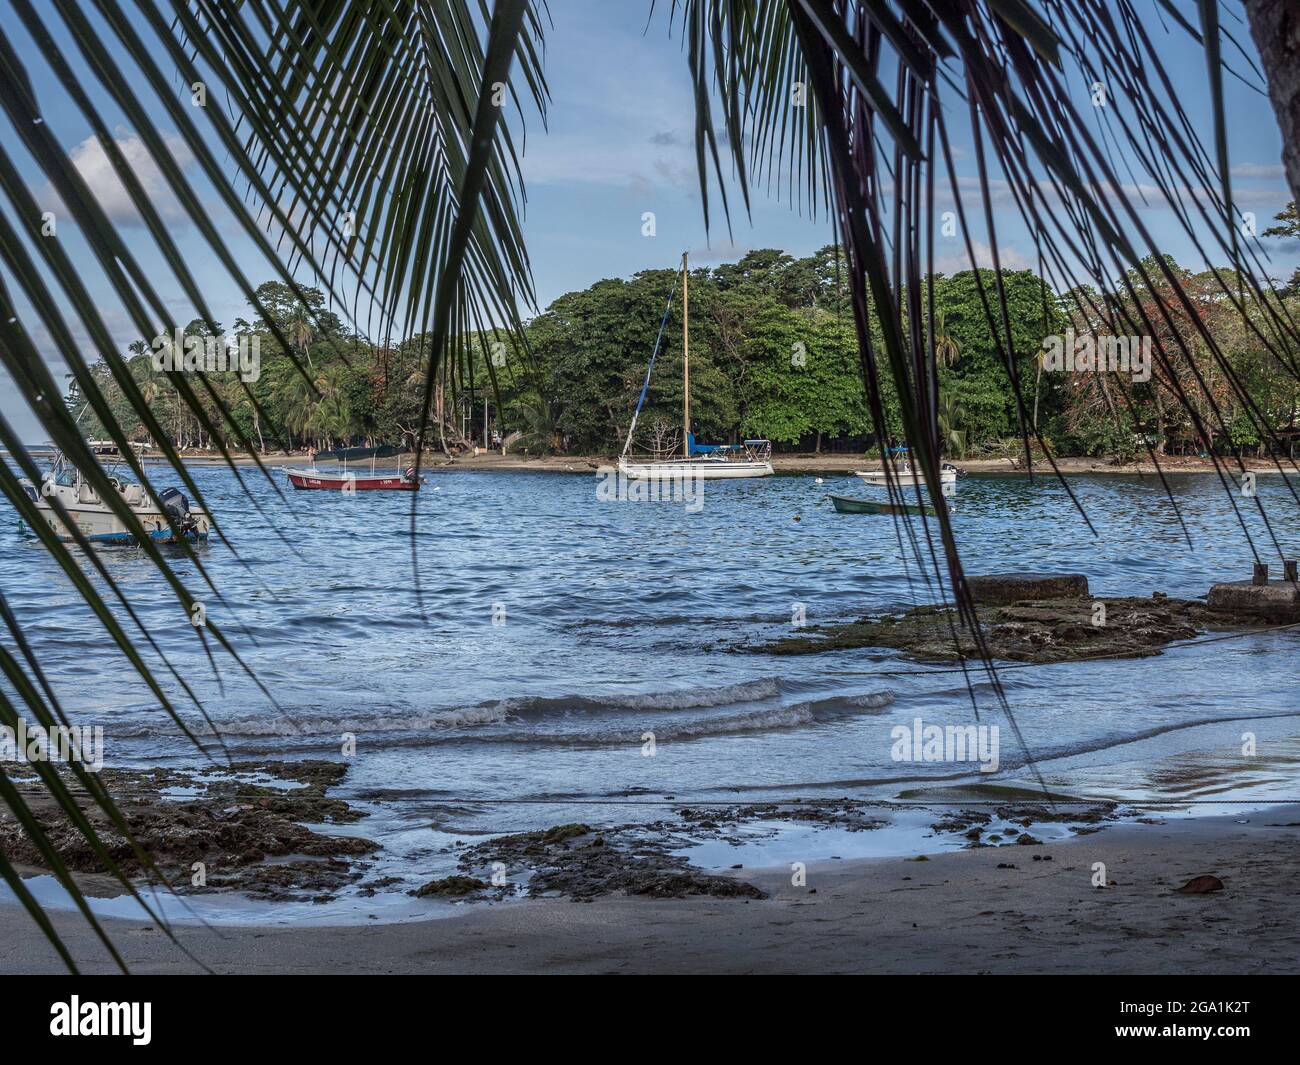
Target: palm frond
[
  {"x": 1009, "y": 73},
  {"x": 359, "y": 146}
]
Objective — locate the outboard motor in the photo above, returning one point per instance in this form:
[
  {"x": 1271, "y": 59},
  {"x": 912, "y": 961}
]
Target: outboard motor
[{"x": 177, "y": 506}]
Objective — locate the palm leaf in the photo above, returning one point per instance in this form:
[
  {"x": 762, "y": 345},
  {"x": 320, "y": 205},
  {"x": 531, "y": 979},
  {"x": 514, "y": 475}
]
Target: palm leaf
[
  {"x": 1011, "y": 66},
  {"x": 384, "y": 114}
]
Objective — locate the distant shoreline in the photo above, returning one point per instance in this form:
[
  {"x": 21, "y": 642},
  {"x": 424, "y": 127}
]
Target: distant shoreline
[
  {"x": 799, "y": 463},
  {"x": 845, "y": 464}
]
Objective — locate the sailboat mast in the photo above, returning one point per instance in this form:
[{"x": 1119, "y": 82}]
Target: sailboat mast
[{"x": 686, "y": 361}]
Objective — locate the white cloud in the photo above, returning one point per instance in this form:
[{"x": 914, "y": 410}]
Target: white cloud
[
  {"x": 1258, "y": 170},
  {"x": 1009, "y": 259},
  {"x": 96, "y": 169}
]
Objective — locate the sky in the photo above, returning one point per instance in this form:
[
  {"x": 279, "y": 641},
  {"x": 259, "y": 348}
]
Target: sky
[{"x": 618, "y": 144}]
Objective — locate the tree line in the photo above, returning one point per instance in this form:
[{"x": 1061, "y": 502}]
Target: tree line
[{"x": 773, "y": 354}]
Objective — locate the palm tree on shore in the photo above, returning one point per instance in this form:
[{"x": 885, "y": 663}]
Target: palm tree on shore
[
  {"x": 858, "y": 101},
  {"x": 947, "y": 348}
]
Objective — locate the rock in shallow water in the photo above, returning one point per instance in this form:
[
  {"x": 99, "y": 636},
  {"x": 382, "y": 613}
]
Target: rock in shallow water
[
  {"x": 575, "y": 861},
  {"x": 1021, "y": 587},
  {"x": 1042, "y": 630},
  {"x": 452, "y": 887},
  {"x": 1200, "y": 885},
  {"x": 230, "y": 821}
]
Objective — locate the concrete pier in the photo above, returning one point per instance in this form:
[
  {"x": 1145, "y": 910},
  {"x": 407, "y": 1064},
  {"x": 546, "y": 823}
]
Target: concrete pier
[{"x": 1275, "y": 600}]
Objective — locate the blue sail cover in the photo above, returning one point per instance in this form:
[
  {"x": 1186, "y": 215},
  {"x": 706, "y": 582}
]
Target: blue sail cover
[{"x": 692, "y": 448}]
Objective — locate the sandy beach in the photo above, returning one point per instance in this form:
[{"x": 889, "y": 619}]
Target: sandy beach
[
  {"x": 833, "y": 464},
  {"x": 991, "y": 910}
]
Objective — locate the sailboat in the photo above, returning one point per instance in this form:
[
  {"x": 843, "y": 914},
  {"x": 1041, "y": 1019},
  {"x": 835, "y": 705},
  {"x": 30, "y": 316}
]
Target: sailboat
[{"x": 753, "y": 458}]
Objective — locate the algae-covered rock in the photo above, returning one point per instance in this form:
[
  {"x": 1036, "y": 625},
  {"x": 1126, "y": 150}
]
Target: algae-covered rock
[
  {"x": 229, "y": 821},
  {"x": 1021, "y": 587},
  {"x": 560, "y": 833},
  {"x": 451, "y": 887},
  {"x": 1033, "y": 630},
  {"x": 574, "y": 861}
]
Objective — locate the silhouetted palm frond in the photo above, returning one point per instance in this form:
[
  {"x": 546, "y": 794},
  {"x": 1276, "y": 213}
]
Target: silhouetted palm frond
[
  {"x": 1069, "y": 116},
  {"x": 360, "y": 145}
]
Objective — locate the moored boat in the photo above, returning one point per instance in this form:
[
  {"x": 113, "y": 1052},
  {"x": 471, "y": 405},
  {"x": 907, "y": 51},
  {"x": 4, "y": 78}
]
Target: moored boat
[
  {"x": 713, "y": 462},
  {"x": 99, "y": 523},
  {"x": 905, "y": 475},
  {"x": 753, "y": 458},
  {"x": 344, "y": 480},
  {"x": 849, "y": 505}
]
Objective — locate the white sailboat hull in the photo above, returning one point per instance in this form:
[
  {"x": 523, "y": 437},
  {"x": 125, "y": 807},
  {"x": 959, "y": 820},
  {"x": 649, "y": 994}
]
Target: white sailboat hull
[{"x": 706, "y": 469}]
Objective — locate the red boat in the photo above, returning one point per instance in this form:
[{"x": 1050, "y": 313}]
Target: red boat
[{"x": 347, "y": 481}]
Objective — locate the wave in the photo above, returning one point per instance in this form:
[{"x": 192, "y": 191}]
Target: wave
[
  {"x": 544, "y": 718},
  {"x": 768, "y": 719},
  {"x": 1012, "y": 758},
  {"x": 291, "y": 725},
  {"x": 488, "y": 713},
  {"x": 750, "y": 691}
]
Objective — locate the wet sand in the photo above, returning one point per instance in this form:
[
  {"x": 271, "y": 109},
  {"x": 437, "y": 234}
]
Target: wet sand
[{"x": 952, "y": 913}]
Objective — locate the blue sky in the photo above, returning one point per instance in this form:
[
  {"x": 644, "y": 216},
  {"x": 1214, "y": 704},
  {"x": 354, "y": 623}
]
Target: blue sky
[{"x": 619, "y": 144}]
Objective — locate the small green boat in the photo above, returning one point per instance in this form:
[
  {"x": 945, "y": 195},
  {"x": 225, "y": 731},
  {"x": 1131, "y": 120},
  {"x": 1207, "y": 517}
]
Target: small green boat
[{"x": 849, "y": 505}]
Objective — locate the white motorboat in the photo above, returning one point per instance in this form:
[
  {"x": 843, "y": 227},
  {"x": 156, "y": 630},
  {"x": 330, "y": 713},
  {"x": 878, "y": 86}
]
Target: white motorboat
[
  {"x": 98, "y": 522},
  {"x": 906, "y": 476},
  {"x": 753, "y": 458}
]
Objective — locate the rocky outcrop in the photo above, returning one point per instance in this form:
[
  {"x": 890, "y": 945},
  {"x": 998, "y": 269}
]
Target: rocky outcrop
[
  {"x": 1022, "y": 587},
  {"x": 1033, "y": 630},
  {"x": 580, "y": 862},
  {"x": 244, "y": 831}
]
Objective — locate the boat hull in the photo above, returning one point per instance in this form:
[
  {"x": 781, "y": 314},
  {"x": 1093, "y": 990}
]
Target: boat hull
[
  {"x": 100, "y": 525},
  {"x": 707, "y": 469},
  {"x": 308, "y": 480},
  {"x": 849, "y": 505}
]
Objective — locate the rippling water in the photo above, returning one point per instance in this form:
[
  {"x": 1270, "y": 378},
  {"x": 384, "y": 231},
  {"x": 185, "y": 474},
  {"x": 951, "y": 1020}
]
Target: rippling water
[{"x": 618, "y": 619}]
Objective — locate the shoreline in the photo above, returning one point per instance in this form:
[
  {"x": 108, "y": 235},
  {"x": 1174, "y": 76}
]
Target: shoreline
[
  {"x": 788, "y": 464},
  {"x": 797, "y": 464},
  {"x": 982, "y": 910}
]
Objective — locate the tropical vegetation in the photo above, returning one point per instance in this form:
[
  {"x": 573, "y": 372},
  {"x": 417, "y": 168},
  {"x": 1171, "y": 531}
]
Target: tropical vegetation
[{"x": 773, "y": 355}]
